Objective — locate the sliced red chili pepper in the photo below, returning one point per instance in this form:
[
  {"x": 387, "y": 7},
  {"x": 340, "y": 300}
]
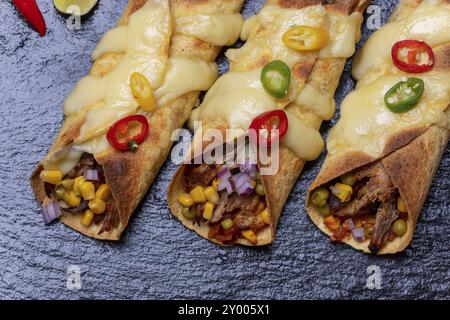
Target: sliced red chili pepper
[
  {"x": 264, "y": 125},
  {"x": 30, "y": 11},
  {"x": 119, "y": 129},
  {"x": 407, "y": 54}
]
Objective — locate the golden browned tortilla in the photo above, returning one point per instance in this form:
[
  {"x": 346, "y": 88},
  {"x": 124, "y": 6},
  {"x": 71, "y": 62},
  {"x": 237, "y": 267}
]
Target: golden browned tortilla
[
  {"x": 410, "y": 158},
  {"x": 129, "y": 175},
  {"x": 321, "y": 73}
]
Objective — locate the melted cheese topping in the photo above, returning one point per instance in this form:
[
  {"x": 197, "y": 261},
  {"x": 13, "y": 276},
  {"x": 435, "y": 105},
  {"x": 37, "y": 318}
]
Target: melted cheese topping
[
  {"x": 238, "y": 96},
  {"x": 220, "y": 30},
  {"x": 144, "y": 43},
  {"x": 366, "y": 123},
  {"x": 148, "y": 36},
  {"x": 272, "y": 22},
  {"x": 429, "y": 22}
]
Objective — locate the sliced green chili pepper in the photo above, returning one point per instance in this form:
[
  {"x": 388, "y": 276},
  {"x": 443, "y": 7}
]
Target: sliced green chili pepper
[
  {"x": 405, "y": 95},
  {"x": 276, "y": 78}
]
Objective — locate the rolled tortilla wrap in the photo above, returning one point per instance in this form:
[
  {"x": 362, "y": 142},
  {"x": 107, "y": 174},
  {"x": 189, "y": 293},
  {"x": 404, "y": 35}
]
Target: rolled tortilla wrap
[
  {"x": 408, "y": 147},
  {"x": 315, "y": 77},
  {"x": 165, "y": 53}
]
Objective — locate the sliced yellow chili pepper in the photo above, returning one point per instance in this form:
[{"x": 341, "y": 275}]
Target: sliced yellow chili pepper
[
  {"x": 142, "y": 91},
  {"x": 304, "y": 38}
]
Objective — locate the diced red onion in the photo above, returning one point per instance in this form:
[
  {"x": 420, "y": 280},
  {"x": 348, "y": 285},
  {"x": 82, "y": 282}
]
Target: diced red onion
[
  {"x": 91, "y": 175},
  {"x": 224, "y": 173},
  {"x": 358, "y": 234},
  {"x": 250, "y": 168},
  {"x": 226, "y": 184},
  {"x": 240, "y": 178},
  {"x": 51, "y": 212},
  {"x": 245, "y": 189},
  {"x": 230, "y": 187}
]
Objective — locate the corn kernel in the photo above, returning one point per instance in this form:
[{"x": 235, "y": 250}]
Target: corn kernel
[
  {"x": 212, "y": 195},
  {"x": 198, "y": 195},
  {"x": 86, "y": 220},
  {"x": 216, "y": 183},
  {"x": 103, "y": 192},
  {"x": 261, "y": 207},
  {"x": 52, "y": 177},
  {"x": 98, "y": 206},
  {"x": 208, "y": 211},
  {"x": 401, "y": 206},
  {"x": 250, "y": 236},
  {"x": 265, "y": 216},
  {"x": 67, "y": 184},
  {"x": 88, "y": 190},
  {"x": 185, "y": 200},
  {"x": 77, "y": 184},
  {"x": 342, "y": 191},
  {"x": 71, "y": 199}
]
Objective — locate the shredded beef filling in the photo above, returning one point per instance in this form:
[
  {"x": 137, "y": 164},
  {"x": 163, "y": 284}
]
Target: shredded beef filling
[
  {"x": 201, "y": 175},
  {"x": 373, "y": 194}
]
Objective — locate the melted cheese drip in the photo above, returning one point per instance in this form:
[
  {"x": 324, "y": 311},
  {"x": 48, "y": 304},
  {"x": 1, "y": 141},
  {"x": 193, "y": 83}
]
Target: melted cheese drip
[
  {"x": 366, "y": 123},
  {"x": 220, "y": 30},
  {"x": 179, "y": 79},
  {"x": 321, "y": 103},
  {"x": 429, "y": 22},
  {"x": 238, "y": 96},
  {"x": 64, "y": 160},
  {"x": 344, "y": 32}
]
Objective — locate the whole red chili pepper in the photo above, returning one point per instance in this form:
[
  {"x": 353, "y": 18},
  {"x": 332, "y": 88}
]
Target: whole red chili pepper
[{"x": 30, "y": 11}]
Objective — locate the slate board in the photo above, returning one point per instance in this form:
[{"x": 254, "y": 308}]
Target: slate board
[{"x": 157, "y": 257}]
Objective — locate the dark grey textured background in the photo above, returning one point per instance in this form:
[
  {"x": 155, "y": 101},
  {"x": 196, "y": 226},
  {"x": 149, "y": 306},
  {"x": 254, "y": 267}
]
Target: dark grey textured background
[{"x": 157, "y": 257}]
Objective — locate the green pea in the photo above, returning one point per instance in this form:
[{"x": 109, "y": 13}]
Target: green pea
[
  {"x": 348, "y": 179},
  {"x": 188, "y": 213},
  {"x": 259, "y": 189},
  {"x": 320, "y": 197},
  {"x": 325, "y": 211},
  {"x": 227, "y": 224},
  {"x": 400, "y": 227}
]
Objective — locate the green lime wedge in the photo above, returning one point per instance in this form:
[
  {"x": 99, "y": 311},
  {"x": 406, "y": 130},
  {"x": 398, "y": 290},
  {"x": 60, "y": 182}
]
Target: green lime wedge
[{"x": 81, "y": 7}]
